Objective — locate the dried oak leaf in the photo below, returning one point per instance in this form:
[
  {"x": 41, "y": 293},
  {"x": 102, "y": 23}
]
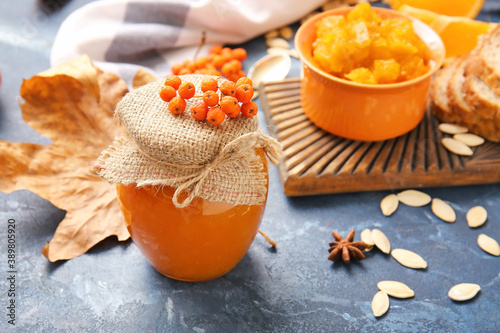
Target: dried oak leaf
[
  {"x": 73, "y": 105},
  {"x": 143, "y": 77}
]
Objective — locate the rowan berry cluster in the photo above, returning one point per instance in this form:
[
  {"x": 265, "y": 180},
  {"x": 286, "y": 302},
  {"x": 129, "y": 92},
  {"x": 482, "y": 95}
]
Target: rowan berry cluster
[
  {"x": 220, "y": 61},
  {"x": 214, "y": 106}
]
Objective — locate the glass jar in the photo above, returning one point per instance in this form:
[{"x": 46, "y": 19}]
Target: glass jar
[{"x": 200, "y": 242}]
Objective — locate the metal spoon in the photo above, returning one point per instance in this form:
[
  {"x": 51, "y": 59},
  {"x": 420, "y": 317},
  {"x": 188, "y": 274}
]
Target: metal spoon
[{"x": 272, "y": 67}]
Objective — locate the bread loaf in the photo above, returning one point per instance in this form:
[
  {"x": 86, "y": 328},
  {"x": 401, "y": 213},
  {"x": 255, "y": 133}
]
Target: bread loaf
[
  {"x": 467, "y": 90},
  {"x": 439, "y": 94},
  {"x": 486, "y": 63},
  {"x": 456, "y": 98}
]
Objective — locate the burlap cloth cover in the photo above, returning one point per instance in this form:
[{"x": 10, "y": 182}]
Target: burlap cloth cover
[{"x": 216, "y": 163}]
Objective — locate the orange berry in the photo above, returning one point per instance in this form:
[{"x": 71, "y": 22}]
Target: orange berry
[
  {"x": 211, "y": 98},
  {"x": 248, "y": 110},
  {"x": 215, "y": 49},
  {"x": 186, "y": 90},
  {"x": 173, "y": 81},
  {"x": 184, "y": 70},
  {"x": 241, "y": 73},
  {"x": 215, "y": 116},
  {"x": 226, "y": 57},
  {"x": 226, "y": 51},
  {"x": 230, "y": 106},
  {"x": 176, "y": 68},
  {"x": 209, "y": 84},
  {"x": 244, "y": 93},
  {"x": 167, "y": 93},
  {"x": 214, "y": 72},
  {"x": 210, "y": 66},
  {"x": 232, "y": 77},
  {"x": 239, "y": 54},
  {"x": 229, "y": 69},
  {"x": 189, "y": 65},
  {"x": 228, "y": 88},
  {"x": 177, "y": 105},
  {"x": 236, "y": 64},
  {"x": 200, "y": 62},
  {"x": 199, "y": 111},
  {"x": 218, "y": 61},
  {"x": 244, "y": 80}
]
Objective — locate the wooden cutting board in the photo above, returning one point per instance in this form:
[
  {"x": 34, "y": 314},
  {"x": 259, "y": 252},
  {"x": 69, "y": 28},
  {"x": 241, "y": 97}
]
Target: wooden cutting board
[{"x": 317, "y": 162}]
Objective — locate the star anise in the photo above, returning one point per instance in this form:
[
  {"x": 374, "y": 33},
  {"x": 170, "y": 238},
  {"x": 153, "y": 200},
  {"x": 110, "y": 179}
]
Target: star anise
[{"x": 346, "y": 249}]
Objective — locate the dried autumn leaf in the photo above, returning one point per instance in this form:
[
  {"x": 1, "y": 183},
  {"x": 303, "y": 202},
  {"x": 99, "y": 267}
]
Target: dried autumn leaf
[
  {"x": 80, "y": 124},
  {"x": 81, "y": 69},
  {"x": 142, "y": 77}
]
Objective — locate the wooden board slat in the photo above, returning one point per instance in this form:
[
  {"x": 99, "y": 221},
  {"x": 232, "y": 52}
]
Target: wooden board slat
[{"x": 318, "y": 162}]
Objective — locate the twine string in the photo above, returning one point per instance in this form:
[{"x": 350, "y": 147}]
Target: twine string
[{"x": 236, "y": 150}]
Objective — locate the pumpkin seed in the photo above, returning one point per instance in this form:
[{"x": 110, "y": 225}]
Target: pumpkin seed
[
  {"x": 396, "y": 289},
  {"x": 366, "y": 236},
  {"x": 476, "y": 216},
  {"x": 273, "y": 50},
  {"x": 463, "y": 291},
  {"x": 488, "y": 244},
  {"x": 286, "y": 32},
  {"x": 381, "y": 241},
  {"x": 456, "y": 147},
  {"x": 332, "y": 5},
  {"x": 271, "y": 34},
  {"x": 409, "y": 259},
  {"x": 471, "y": 140},
  {"x": 443, "y": 210},
  {"x": 380, "y": 303},
  {"x": 414, "y": 198},
  {"x": 452, "y": 128},
  {"x": 277, "y": 42},
  {"x": 293, "y": 53},
  {"x": 389, "y": 204}
]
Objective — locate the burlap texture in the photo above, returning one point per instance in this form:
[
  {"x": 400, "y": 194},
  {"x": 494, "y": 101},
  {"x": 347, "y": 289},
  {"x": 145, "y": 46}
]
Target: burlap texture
[{"x": 216, "y": 163}]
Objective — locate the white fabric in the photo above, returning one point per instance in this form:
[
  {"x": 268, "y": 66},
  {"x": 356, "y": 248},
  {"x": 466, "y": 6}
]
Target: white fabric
[{"x": 122, "y": 35}]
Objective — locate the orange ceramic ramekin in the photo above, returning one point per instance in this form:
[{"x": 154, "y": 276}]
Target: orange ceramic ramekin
[{"x": 367, "y": 112}]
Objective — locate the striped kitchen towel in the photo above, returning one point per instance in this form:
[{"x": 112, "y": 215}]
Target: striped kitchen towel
[{"x": 121, "y": 36}]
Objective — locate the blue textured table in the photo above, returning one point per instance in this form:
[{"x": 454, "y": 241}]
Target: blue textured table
[{"x": 291, "y": 289}]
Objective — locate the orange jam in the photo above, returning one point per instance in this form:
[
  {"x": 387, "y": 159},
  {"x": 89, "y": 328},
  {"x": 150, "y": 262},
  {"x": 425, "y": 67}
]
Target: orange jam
[
  {"x": 201, "y": 242},
  {"x": 365, "y": 48}
]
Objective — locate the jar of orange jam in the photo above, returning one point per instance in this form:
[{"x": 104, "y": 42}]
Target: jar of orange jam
[
  {"x": 200, "y": 242},
  {"x": 192, "y": 193}
]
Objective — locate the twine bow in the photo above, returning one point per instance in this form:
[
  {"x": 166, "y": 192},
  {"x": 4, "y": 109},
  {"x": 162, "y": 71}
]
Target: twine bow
[{"x": 235, "y": 150}]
